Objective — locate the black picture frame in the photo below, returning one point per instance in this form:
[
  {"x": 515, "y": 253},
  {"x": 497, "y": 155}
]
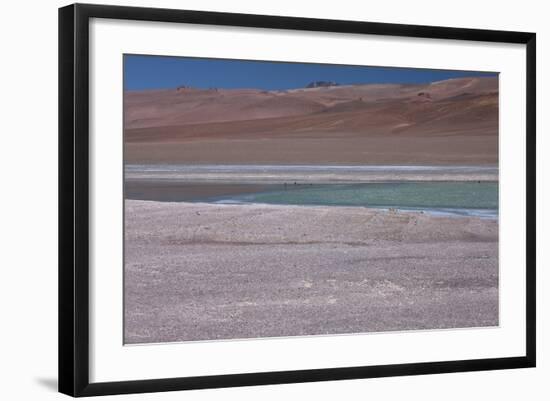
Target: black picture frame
[{"x": 74, "y": 201}]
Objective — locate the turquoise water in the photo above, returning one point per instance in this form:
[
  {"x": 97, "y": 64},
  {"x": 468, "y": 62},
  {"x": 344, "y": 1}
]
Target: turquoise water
[
  {"x": 456, "y": 198},
  {"x": 405, "y": 187}
]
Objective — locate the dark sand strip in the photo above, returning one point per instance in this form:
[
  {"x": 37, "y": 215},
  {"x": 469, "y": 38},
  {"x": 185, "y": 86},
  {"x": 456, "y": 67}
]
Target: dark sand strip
[{"x": 176, "y": 191}]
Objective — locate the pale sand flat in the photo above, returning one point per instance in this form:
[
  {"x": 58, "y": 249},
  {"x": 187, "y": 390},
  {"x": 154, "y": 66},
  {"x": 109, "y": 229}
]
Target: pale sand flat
[{"x": 205, "y": 272}]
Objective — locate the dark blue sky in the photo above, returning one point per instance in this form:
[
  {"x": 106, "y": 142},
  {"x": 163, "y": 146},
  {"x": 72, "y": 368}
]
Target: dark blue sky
[{"x": 156, "y": 72}]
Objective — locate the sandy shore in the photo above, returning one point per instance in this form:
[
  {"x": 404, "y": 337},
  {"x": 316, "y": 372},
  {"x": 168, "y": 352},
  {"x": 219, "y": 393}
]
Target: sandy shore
[
  {"x": 305, "y": 174},
  {"x": 202, "y": 272},
  {"x": 321, "y": 149}
]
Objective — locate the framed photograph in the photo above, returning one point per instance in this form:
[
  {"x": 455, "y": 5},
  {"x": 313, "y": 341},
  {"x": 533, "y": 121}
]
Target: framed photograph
[{"x": 250, "y": 199}]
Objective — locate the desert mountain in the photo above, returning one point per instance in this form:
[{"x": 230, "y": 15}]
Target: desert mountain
[{"x": 465, "y": 110}]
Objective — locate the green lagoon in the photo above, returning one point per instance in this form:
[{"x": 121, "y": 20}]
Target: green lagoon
[{"x": 456, "y": 198}]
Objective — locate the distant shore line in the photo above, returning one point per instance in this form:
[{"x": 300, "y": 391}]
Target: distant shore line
[{"x": 308, "y": 174}]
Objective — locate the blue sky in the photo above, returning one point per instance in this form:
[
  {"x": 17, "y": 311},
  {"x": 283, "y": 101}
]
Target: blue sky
[{"x": 156, "y": 72}]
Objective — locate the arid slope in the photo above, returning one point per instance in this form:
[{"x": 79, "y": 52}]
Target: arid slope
[{"x": 447, "y": 122}]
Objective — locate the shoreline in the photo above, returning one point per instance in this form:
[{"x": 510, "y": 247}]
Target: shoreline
[
  {"x": 453, "y": 213},
  {"x": 309, "y": 174}
]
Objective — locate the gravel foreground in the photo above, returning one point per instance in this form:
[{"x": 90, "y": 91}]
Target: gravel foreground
[{"x": 196, "y": 271}]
